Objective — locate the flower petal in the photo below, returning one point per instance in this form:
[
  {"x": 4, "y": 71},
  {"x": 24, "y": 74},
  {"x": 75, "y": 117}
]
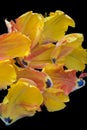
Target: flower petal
[
  {"x": 55, "y": 101},
  {"x": 40, "y": 78},
  {"x": 70, "y": 52},
  {"x": 55, "y": 27},
  {"x": 7, "y": 74},
  {"x": 30, "y": 24},
  {"x": 76, "y": 59},
  {"x": 66, "y": 45},
  {"x": 64, "y": 79},
  {"x": 40, "y": 55},
  {"x": 23, "y": 99},
  {"x": 14, "y": 45}
]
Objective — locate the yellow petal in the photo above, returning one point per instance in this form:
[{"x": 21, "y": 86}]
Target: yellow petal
[
  {"x": 73, "y": 40},
  {"x": 55, "y": 26},
  {"x": 76, "y": 59},
  {"x": 23, "y": 99},
  {"x": 7, "y": 74},
  {"x": 53, "y": 105},
  {"x": 66, "y": 45},
  {"x": 55, "y": 101},
  {"x": 14, "y": 45},
  {"x": 69, "y": 51},
  {"x": 29, "y": 93},
  {"x": 30, "y": 24}
]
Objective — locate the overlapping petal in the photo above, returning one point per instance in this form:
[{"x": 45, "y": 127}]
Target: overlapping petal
[
  {"x": 14, "y": 45},
  {"x": 64, "y": 79},
  {"x": 77, "y": 59},
  {"x": 55, "y": 26},
  {"x": 30, "y": 24},
  {"x": 23, "y": 99},
  {"x": 40, "y": 64},
  {"x": 55, "y": 99},
  {"x": 69, "y": 51},
  {"x": 7, "y": 74},
  {"x": 66, "y": 45},
  {"x": 40, "y": 55},
  {"x": 39, "y": 78}
]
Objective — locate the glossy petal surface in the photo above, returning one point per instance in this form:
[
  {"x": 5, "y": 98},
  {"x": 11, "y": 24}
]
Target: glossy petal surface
[
  {"x": 30, "y": 24},
  {"x": 14, "y": 45},
  {"x": 55, "y": 26},
  {"x": 55, "y": 100},
  {"x": 7, "y": 74}
]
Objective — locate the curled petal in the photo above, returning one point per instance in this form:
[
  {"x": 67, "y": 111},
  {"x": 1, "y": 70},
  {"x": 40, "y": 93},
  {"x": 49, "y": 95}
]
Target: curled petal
[
  {"x": 30, "y": 24},
  {"x": 55, "y": 27},
  {"x": 54, "y": 100},
  {"x": 14, "y": 45},
  {"x": 69, "y": 51},
  {"x": 82, "y": 75},
  {"x": 9, "y": 26},
  {"x": 64, "y": 79},
  {"x": 73, "y": 40},
  {"x": 7, "y": 74},
  {"x": 40, "y": 78},
  {"x": 66, "y": 45},
  {"x": 23, "y": 99}
]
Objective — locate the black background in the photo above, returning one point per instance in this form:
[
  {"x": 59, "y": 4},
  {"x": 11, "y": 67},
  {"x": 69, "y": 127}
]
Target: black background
[{"x": 75, "y": 114}]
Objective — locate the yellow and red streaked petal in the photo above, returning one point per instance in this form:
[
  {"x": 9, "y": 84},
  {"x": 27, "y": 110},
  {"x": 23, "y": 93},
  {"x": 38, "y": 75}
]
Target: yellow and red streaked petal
[
  {"x": 41, "y": 79},
  {"x": 23, "y": 99},
  {"x": 55, "y": 27},
  {"x": 64, "y": 79},
  {"x": 55, "y": 100},
  {"x": 7, "y": 74},
  {"x": 40, "y": 56},
  {"x": 66, "y": 45},
  {"x": 14, "y": 45},
  {"x": 30, "y": 24}
]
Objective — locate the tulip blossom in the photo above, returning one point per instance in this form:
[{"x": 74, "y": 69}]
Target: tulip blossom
[{"x": 39, "y": 64}]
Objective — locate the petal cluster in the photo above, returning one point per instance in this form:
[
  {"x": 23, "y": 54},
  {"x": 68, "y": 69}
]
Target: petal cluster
[{"x": 39, "y": 64}]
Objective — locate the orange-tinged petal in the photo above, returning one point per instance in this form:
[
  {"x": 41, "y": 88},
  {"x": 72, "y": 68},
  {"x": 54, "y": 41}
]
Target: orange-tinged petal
[
  {"x": 55, "y": 100},
  {"x": 7, "y": 74},
  {"x": 30, "y": 24},
  {"x": 14, "y": 45},
  {"x": 40, "y": 55},
  {"x": 23, "y": 99},
  {"x": 41, "y": 79},
  {"x": 64, "y": 79},
  {"x": 55, "y": 27}
]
